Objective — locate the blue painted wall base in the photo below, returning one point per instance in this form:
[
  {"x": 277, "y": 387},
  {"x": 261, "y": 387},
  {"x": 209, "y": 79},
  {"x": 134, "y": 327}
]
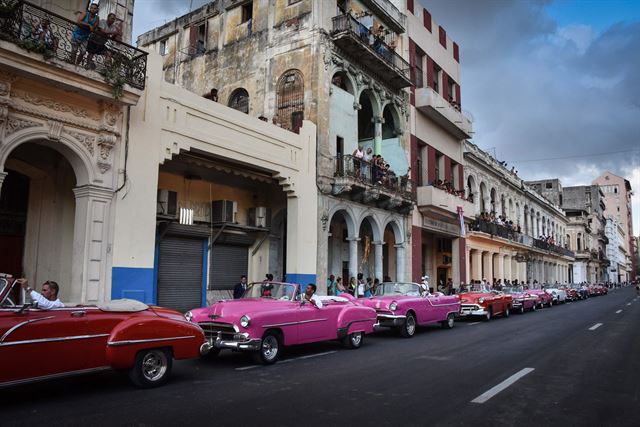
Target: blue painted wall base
[
  {"x": 133, "y": 283},
  {"x": 302, "y": 279}
]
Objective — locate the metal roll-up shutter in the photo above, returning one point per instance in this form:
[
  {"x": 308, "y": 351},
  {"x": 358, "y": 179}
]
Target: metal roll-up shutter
[
  {"x": 180, "y": 273},
  {"x": 228, "y": 263}
]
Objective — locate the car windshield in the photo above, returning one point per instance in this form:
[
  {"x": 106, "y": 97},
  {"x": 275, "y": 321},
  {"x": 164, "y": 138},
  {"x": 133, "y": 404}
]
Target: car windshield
[
  {"x": 409, "y": 289},
  {"x": 476, "y": 288},
  {"x": 512, "y": 289},
  {"x": 11, "y": 296},
  {"x": 272, "y": 290}
]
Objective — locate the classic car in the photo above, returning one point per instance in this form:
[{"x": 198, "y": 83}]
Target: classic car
[
  {"x": 522, "y": 299},
  {"x": 271, "y": 315},
  {"x": 544, "y": 297},
  {"x": 128, "y": 335},
  {"x": 406, "y": 305},
  {"x": 573, "y": 293},
  {"x": 479, "y": 300},
  {"x": 559, "y": 295}
]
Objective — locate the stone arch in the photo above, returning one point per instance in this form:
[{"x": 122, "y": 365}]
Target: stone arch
[
  {"x": 493, "y": 200},
  {"x": 80, "y": 159},
  {"x": 346, "y": 81},
  {"x": 484, "y": 198},
  {"x": 472, "y": 190},
  {"x": 396, "y": 228},
  {"x": 392, "y": 126},
  {"x": 373, "y": 223},
  {"x": 239, "y": 100},
  {"x": 349, "y": 218}
]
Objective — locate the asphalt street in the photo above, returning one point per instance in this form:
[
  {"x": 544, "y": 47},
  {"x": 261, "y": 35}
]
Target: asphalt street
[{"x": 576, "y": 364}]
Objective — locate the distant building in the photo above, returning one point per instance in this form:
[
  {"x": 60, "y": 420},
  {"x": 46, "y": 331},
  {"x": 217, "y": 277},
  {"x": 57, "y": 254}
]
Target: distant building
[
  {"x": 616, "y": 252},
  {"x": 617, "y": 192}
]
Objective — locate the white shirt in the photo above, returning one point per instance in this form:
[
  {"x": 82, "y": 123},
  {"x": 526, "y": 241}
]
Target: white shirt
[
  {"x": 45, "y": 303},
  {"x": 314, "y": 300}
]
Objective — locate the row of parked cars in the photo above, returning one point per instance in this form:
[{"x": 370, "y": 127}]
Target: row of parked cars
[{"x": 144, "y": 340}]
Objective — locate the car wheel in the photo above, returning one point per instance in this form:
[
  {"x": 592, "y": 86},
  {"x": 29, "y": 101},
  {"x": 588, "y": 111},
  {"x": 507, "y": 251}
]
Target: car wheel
[
  {"x": 408, "y": 329},
  {"x": 151, "y": 368},
  {"x": 487, "y": 316},
  {"x": 533, "y": 307},
  {"x": 212, "y": 354},
  {"x": 506, "y": 312},
  {"x": 353, "y": 340},
  {"x": 521, "y": 311},
  {"x": 270, "y": 349},
  {"x": 448, "y": 324}
]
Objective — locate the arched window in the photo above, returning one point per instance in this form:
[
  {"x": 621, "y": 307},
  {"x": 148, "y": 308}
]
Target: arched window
[
  {"x": 290, "y": 101},
  {"x": 239, "y": 100}
]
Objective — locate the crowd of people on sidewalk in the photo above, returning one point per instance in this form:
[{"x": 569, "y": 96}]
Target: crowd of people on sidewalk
[{"x": 357, "y": 286}]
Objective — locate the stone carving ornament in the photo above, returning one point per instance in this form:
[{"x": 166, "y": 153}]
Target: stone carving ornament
[
  {"x": 14, "y": 125},
  {"x": 88, "y": 141},
  {"x": 51, "y": 104}
]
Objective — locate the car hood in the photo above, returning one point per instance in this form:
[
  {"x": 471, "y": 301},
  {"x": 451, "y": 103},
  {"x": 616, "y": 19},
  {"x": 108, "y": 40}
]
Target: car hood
[
  {"x": 474, "y": 296},
  {"x": 383, "y": 302},
  {"x": 232, "y": 310}
]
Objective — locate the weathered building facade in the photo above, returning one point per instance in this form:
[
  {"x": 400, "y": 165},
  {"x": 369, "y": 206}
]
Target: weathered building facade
[
  {"x": 616, "y": 252},
  {"x": 617, "y": 192},
  {"x": 330, "y": 63},
  {"x": 529, "y": 240},
  {"x": 438, "y": 129},
  {"x": 62, "y": 133}
]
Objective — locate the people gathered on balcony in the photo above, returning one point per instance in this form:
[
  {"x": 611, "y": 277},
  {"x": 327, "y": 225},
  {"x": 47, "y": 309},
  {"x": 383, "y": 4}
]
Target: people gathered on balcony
[
  {"x": 91, "y": 37},
  {"x": 448, "y": 187},
  {"x": 86, "y": 24},
  {"x": 492, "y": 218}
]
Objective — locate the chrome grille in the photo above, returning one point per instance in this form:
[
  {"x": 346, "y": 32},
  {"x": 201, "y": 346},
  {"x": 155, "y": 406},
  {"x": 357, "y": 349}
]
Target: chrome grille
[{"x": 211, "y": 330}]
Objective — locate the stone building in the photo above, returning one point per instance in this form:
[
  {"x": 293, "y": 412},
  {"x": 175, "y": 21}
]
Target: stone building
[
  {"x": 340, "y": 65},
  {"x": 438, "y": 128},
  {"x": 63, "y": 118},
  {"x": 529, "y": 242},
  {"x": 617, "y": 194}
]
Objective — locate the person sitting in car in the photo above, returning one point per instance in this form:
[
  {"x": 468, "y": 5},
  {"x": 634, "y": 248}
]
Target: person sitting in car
[
  {"x": 309, "y": 296},
  {"x": 49, "y": 297}
]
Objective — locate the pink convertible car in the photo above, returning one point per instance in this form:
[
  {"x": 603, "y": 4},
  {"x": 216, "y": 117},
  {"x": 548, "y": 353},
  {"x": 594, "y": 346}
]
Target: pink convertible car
[
  {"x": 407, "y": 305},
  {"x": 272, "y": 315}
]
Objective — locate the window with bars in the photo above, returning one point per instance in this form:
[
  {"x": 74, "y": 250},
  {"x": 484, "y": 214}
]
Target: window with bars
[
  {"x": 239, "y": 100},
  {"x": 290, "y": 101}
]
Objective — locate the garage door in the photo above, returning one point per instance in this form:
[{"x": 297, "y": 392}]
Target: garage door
[
  {"x": 228, "y": 263},
  {"x": 180, "y": 273}
]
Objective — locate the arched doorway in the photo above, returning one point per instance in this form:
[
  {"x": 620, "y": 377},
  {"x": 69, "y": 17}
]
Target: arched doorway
[
  {"x": 484, "y": 198},
  {"x": 366, "y": 248},
  {"x": 472, "y": 189},
  {"x": 368, "y": 110},
  {"x": 338, "y": 245},
  {"x": 392, "y": 268},
  {"x": 38, "y": 209}
]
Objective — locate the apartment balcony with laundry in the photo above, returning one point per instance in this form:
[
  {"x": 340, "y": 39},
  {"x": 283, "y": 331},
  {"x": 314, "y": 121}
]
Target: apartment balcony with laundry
[
  {"x": 45, "y": 45},
  {"x": 364, "y": 182},
  {"x": 375, "y": 50}
]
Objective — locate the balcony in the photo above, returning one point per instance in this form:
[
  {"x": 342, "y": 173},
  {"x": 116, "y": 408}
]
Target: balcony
[
  {"x": 36, "y": 30},
  {"x": 360, "y": 181},
  {"x": 388, "y": 13},
  {"x": 372, "y": 52},
  {"x": 432, "y": 199},
  {"x": 434, "y": 106}
]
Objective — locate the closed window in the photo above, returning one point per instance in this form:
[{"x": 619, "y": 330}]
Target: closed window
[{"x": 290, "y": 101}]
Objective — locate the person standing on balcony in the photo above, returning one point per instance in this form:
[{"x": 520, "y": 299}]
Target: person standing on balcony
[
  {"x": 358, "y": 155},
  {"x": 366, "y": 165},
  {"x": 97, "y": 42},
  {"x": 86, "y": 24}
]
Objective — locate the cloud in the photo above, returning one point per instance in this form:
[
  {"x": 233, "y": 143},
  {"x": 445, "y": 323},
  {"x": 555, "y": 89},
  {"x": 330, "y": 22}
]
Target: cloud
[
  {"x": 538, "y": 90},
  {"x": 149, "y": 14}
]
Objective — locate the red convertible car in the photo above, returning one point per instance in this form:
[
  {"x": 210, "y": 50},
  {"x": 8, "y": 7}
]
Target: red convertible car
[
  {"x": 480, "y": 301},
  {"x": 128, "y": 335}
]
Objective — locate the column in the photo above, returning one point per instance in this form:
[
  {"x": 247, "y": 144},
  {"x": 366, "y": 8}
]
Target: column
[
  {"x": 400, "y": 263},
  {"x": 377, "y": 134},
  {"x": 302, "y": 248},
  {"x": 378, "y": 259},
  {"x": 498, "y": 266},
  {"x": 90, "y": 242},
  {"x": 476, "y": 273},
  {"x": 353, "y": 257},
  {"x": 487, "y": 266},
  {"x": 508, "y": 274},
  {"x": 457, "y": 262},
  {"x": 467, "y": 277}
]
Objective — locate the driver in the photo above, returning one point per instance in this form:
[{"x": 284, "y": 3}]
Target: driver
[
  {"x": 310, "y": 296},
  {"x": 49, "y": 297}
]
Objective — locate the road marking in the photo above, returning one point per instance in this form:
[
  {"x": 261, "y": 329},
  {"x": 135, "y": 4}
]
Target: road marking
[
  {"x": 315, "y": 355},
  {"x": 246, "y": 368},
  {"x": 503, "y": 385},
  {"x": 628, "y": 303},
  {"x": 596, "y": 326},
  {"x": 474, "y": 323},
  {"x": 619, "y": 311}
]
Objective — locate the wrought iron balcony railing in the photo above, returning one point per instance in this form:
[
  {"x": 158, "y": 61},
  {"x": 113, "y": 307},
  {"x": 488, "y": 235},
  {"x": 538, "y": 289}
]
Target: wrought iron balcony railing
[
  {"x": 38, "y": 30},
  {"x": 370, "y": 175},
  {"x": 383, "y": 46}
]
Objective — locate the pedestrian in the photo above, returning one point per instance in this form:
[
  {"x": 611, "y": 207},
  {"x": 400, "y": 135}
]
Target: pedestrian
[
  {"x": 331, "y": 285},
  {"x": 367, "y": 287},
  {"x": 352, "y": 286},
  {"x": 340, "y": 289},
  {"x": 240, "y": 288},
  {"x": 360, "y": 286}
]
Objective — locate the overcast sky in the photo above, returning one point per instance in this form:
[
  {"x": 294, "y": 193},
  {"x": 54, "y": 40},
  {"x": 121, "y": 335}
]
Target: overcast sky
[{"x": 553, "y": 85}]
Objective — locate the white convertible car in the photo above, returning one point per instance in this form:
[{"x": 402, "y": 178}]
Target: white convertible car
[{"x": 559, "y": 295}]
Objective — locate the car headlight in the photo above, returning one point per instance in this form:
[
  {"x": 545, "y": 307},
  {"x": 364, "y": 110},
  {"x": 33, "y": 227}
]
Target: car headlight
[
  {"x": 245, "y": 321},
  {"x": 393, "y": 306},
  {"x": 481, "y": 300},
  {"x": 189, "y": 316}
]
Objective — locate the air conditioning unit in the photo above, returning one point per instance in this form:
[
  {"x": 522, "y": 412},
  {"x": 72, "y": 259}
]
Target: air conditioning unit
[
  {"x": 167, "y": 203},
  {"x": 224, "y": 211},
  {"x": 259, "y": 217}
]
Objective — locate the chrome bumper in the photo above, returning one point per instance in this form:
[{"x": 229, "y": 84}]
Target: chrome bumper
[
  {"x": 390, "y": 320},
  {"x": 472, "y": 311},
  {"x": 238, "y": 343}
]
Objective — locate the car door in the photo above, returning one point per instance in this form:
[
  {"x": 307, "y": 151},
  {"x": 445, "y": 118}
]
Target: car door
[
  {"x": 432, "y": 305},
  {"x": 99, "y": 326},
  {"x": 42, "y": 343},
  {"x": 317, "y": 324}
]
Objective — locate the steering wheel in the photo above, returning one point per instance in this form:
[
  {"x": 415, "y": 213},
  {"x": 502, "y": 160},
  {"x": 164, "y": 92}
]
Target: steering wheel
[{"x": 284, "y": 297}]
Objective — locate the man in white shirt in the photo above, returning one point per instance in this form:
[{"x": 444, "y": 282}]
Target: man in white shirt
[
  {"x": 49, "y": 297},
  {"x": 310, "y": 296}
]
